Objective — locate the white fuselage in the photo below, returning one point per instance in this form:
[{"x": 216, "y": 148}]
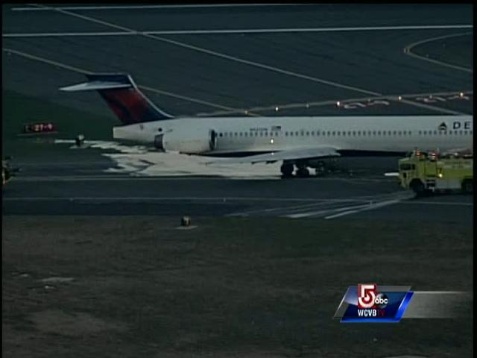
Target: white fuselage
[{"x": 265, "y": 134}]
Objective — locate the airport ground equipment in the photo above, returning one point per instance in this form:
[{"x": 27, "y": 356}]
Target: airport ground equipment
[{"x": 427, "y": 173}]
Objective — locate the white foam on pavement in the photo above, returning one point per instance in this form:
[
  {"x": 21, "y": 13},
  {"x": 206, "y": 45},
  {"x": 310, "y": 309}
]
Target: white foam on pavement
[{"x": 142, "y": 161}]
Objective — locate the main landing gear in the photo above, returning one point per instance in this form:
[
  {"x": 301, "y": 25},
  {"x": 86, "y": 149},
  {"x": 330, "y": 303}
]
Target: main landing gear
[
  {"x": 287, "y": 170},
  {"x": 301, "y": 170}
]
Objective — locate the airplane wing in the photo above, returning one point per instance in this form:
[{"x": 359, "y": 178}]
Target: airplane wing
[{"x": 288, "y": 154}]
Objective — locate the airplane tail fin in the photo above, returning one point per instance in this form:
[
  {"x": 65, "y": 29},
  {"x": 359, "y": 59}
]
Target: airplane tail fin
[{"x": 122, "y": 96}]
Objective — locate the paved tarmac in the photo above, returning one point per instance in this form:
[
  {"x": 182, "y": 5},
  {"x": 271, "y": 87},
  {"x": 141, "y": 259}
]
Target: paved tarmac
[
  {"x": 217, "y": 71},
  {"x": 304, "y": 73},
  {"x": 190, "y": 74},
  {"x": 328, "y": 198}
]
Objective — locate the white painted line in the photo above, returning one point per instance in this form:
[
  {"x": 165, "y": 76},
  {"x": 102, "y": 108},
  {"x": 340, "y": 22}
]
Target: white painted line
[
  {"x": 292, "y": 208},
  {"x": 408, "y": 51},
  {"x": 315, "y": 213},
  {"x": 250, "y": 63},
  {"x": 67, "y": 34},
  {"x": 237, "y": 31},
  {"x": 333, "y": 102},
  {"x": 436, "y": 203},
  {"x": 341, "y": 214},
  {"x": 369, "y": 207},
  {"x": 193, "y": 198},
  {"x": 82, "y": 71},
  {"x": 146, "y": 7}
]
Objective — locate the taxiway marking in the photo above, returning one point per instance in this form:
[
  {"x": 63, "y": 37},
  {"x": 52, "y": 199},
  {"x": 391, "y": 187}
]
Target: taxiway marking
[
  {"x": 238, "y": 31},
  {"x": 246, "y": 62},
  {"x": 147, "y": 88},
  {"x": 147, "y": 7},
  {"x": 408, "y": 51}
]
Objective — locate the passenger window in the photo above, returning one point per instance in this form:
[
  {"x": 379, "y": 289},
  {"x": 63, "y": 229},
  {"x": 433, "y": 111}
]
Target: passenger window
[
  {"x": 220, "y": 134},
  {"x": 307, "y": 133},
  {"x": 333, "y": 133},
  {"x": 297, "y": 133},
  {"x": 312, "y": 133}
]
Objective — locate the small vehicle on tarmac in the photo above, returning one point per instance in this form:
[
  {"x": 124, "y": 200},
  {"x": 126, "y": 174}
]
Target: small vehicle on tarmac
[{"x": 428, "y": 173}]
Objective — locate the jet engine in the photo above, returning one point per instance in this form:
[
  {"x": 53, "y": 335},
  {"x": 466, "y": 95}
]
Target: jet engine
[{"x": 187, "y": 142}]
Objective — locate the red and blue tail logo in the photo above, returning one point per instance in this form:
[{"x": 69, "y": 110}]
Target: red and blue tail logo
[{"x": 123, "y": 97}]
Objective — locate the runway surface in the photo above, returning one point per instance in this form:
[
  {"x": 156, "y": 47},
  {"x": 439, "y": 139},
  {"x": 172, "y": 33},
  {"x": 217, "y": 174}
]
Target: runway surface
[
  {"x": 274, "y": 60},
  {"x": 327, "y": 198},
  {"x": 269, "y": 60},
  {"x": 205, "y": 73}
]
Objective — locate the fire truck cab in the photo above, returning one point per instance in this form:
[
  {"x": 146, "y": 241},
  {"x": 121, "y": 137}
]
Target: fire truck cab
[{"x": 426, "y": 173}]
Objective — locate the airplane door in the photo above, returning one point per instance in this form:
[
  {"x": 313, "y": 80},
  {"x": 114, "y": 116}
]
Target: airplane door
[{"x": 212, "y": 139}]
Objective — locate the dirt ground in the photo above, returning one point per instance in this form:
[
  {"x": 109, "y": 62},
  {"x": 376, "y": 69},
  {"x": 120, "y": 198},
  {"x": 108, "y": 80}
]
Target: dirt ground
[{"x": 234, "y": 287}]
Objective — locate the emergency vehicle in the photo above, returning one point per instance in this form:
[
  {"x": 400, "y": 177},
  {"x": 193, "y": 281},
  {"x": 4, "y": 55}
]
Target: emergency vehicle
[{"x": 430, "y": 172}]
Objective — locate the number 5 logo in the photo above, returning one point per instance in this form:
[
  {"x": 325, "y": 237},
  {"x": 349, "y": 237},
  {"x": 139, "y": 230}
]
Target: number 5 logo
[{"x": 366, "y": 295}]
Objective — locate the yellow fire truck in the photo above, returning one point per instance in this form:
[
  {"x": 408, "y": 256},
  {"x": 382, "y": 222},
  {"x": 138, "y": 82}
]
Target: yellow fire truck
[{"x": 426, "y": 173}]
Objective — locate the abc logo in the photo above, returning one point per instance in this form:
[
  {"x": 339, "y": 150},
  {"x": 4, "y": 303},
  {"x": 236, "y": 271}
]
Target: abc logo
[{"x": 381, "y": 300}]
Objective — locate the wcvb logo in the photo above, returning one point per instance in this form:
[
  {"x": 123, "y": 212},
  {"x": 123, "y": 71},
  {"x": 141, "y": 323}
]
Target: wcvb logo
[{"x": 368, "y": 296}]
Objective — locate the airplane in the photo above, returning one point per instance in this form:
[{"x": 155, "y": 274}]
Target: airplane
[{"x": 299, "y": 142}]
